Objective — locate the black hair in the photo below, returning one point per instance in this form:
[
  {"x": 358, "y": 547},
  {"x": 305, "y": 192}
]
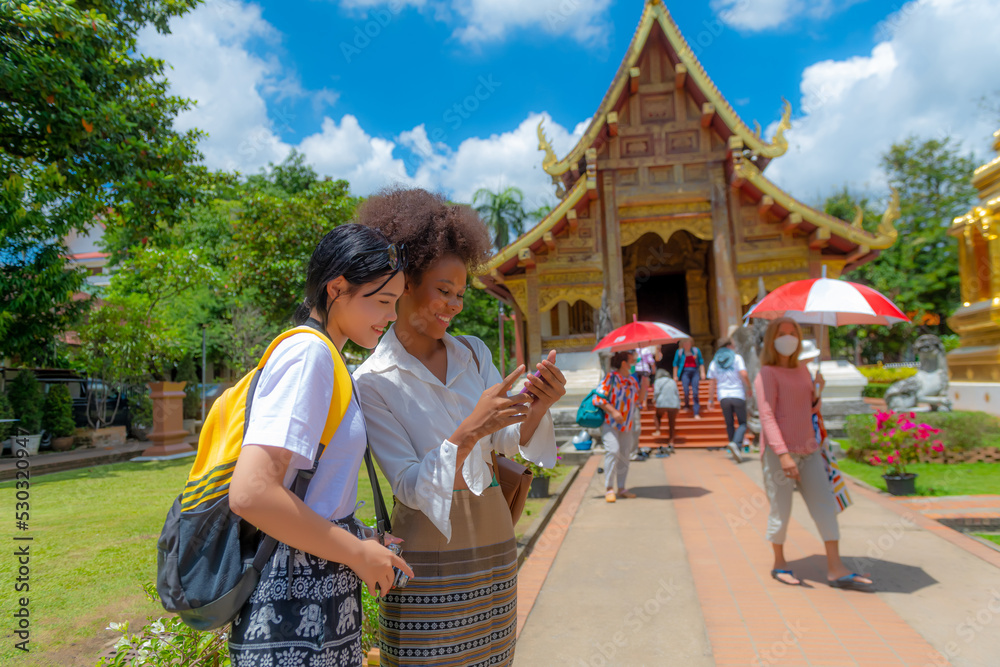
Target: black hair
[
  {"x": 351, "y": 251},
  {"x": 618, "y": 358}
]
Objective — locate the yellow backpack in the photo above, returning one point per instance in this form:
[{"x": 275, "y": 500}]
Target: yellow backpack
[{"x": 209, "y": 560}]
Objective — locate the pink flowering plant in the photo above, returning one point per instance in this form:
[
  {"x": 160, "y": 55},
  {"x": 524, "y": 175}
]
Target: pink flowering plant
[{"x": 898, "y": 440}]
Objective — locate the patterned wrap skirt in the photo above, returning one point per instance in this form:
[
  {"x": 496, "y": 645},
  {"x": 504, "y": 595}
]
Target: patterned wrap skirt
[
  {"x": 305, "y": 612},
  {"x": 460, "y": 607}
]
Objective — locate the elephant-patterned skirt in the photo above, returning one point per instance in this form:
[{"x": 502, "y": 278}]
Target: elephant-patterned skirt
[{"x": 305, "y": 612}]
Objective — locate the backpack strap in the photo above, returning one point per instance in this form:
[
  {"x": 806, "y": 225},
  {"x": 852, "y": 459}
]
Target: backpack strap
[
  {"x": 461, "y": 339},
  {"x": 382, "y": 523}
]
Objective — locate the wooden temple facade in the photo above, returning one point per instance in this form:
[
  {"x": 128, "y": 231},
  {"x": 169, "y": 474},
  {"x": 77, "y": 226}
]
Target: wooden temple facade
[{"x": 665, "y": 212}]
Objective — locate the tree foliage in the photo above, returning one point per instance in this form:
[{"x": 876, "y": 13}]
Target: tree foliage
[
  {"x": 919, "y": 272},
  {"x": 86, "y": 132},
  {"x": 274, "y": 236},
  {"x": 503, "y": 212}
]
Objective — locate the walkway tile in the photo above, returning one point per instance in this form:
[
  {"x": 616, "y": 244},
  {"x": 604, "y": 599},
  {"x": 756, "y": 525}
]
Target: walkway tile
[{"x": 753, "y": 620}]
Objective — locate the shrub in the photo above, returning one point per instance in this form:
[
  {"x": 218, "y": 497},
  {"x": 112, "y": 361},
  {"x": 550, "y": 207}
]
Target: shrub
[
  {"x": 141, "y": 407},
  {"x": 882, "y": 375},
  {"x": 57, "y": 413},
  {"x": 535, "y": 469},
  {"x": 167, "y": 641},
  {"x": 26, "y": 398},
  {"x": 874, "y": 390},
  {"x": 859, "y": 430},
  {"x": 959, "y": 430},
  {"x": 899, "y": 440},
  {"x": 186, "y": 372},
  {"x": 6, "y": 412}
]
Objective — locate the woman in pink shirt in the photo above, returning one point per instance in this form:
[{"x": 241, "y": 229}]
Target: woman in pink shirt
[{"x": 786, "y": 400}]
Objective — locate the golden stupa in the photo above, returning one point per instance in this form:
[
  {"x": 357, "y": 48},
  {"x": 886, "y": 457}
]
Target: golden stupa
[{"x": 977, "y": 321}]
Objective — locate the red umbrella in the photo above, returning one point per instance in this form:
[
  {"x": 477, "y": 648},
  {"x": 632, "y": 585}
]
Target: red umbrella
[
  {"x": 640, "y": 334},
  {"x": 829, "y": 302}
]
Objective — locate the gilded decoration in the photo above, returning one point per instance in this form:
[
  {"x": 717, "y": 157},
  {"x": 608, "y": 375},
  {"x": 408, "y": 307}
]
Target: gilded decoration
[
  {"x": 885, "y": 237},
  {"x": 656, "y": 13},
  {"x": 550, "y": 296},
  {"x": 773, "y": 266},
  {"x": 586, "y": 341},
  {"x": 519, "y": 290},
  {"x": 748, "y": 286},
  {"x": 571, "y": 278},
  {"x": 700, "y": 227}
]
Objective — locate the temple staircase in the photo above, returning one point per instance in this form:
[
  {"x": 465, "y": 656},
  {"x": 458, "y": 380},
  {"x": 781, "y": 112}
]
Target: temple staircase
[{"x": 709, "y": 431}]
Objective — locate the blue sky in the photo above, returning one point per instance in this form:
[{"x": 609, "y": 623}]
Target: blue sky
[{"x": 366, "y": 88}]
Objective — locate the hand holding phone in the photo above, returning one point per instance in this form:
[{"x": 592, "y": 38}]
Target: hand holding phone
[{"x": 551, "y": 359}]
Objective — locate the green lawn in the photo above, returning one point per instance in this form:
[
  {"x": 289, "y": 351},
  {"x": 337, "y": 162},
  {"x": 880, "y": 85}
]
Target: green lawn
[
  {"x": 94, "y": 546},
  {"x": 992, "y": 537},
  {"x": 936, "y": 479}
]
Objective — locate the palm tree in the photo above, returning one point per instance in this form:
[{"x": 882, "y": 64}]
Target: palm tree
[{"x": 503, "y": 212}]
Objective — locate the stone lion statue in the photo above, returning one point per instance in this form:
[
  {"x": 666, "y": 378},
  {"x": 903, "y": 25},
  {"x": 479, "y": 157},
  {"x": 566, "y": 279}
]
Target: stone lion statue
[{"x": 929, "y": 385}]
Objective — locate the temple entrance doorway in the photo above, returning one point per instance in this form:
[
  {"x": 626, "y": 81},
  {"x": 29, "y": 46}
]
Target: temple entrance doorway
[{"x": 664, "y": 298}]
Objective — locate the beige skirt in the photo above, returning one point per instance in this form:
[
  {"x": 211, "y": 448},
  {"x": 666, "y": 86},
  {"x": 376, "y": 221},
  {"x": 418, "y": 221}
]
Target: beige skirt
[{"x": 460, "y": 607}]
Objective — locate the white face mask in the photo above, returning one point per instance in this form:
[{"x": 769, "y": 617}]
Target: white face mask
[{"x": 785, "y": 345}]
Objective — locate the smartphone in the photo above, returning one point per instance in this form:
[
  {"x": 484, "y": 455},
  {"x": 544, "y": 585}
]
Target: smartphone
[{"x": 536, "y": 374}]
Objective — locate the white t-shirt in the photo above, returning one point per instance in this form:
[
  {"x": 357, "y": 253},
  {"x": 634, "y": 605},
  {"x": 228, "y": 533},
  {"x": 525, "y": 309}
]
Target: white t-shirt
[
  {"x": 728, "y": 382},
  {"x": 289, "y": 411}
]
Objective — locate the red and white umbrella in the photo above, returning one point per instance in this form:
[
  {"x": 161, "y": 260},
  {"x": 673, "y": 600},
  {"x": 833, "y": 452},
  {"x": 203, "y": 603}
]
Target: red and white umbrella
[
  {"x": 829, "y": 302},
  {"x": 640, "y": 334}
]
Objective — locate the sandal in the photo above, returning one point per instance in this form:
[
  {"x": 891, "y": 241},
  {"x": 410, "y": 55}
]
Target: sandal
[
  {"x": 850, "y": 582},
  {"x": 775, "y": 575},
  {"x": 622, "y": 493}
]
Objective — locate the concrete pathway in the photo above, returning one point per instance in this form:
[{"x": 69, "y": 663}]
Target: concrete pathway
[{"x": 679, "y": 576}]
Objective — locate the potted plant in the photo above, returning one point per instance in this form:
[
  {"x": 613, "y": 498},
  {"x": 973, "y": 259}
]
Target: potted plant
[
  {"x": 57, "y": 417},
  {"x": 141, "y": 412},
  {"x": 898, "y": 441},
  {"x": 7, "y": 425},
  {"x": 26, "y": 398},
  {"x": 540, "y": 481}
]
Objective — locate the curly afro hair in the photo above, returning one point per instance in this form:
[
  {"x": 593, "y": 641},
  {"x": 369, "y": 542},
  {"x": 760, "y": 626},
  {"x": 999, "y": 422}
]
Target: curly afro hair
[{"x": 429, "y": 225}]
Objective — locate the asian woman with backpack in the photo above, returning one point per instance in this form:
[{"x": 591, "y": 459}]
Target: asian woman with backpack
[{"x": 306, "y": 608}]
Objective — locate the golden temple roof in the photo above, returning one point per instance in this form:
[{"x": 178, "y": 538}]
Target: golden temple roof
[
  {"x": 656, "y": 12},
  {"x": 884, "y": 238}
]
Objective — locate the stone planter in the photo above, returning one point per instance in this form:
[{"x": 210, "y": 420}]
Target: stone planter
[
  {"x": 29, "y": 442},
  {"x": 63, "y": 444},
  {"x": 108, "y": 437},
  {"x": 539, "y": 487},
  {"x": 901, "y": 485},
  {"x": 168, "y": 435}
]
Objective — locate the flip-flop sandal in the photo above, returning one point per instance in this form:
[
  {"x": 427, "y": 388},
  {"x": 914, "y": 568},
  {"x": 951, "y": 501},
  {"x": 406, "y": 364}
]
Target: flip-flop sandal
[
  {"x": 775, "y": 573},
  {"x": 850, "y": 582}
]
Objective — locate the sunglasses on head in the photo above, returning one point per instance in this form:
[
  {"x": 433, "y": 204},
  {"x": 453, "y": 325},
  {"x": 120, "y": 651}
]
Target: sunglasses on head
[{"x": 396, "y": 254}]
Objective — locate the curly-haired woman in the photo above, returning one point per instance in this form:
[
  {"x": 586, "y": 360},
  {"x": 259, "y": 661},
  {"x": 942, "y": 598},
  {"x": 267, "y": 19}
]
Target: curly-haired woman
[{"x": 437, "y": 408}]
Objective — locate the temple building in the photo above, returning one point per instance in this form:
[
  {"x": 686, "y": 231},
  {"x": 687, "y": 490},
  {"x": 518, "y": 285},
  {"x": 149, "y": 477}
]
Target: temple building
[
  {"x": 665, "y": 212},
  {"x": 974, "y": 368}
]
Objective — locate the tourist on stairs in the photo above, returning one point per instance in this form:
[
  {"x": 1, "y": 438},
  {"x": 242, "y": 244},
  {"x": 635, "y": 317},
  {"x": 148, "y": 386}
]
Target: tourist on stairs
[
  {"x": 731, "y": 384},
  {"x": 668, "y": 402},
  {"x": 619, "y": 397},
  {"x": 786, "y": 399},
  {"x": 689, "y": 367}
]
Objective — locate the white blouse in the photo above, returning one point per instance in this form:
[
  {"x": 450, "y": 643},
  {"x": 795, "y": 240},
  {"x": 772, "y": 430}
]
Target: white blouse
[{"x": 410, "y": 416}]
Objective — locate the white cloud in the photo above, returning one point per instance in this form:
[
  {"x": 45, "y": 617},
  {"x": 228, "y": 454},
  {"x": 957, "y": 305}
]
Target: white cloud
[
  {"x": 510, "y": 158},
  {"x": 939, "y": 58},
  {"x": 480, "y": 21},
  {"x": 212, "y": 63},
  {"x": 754, "y": 15}
]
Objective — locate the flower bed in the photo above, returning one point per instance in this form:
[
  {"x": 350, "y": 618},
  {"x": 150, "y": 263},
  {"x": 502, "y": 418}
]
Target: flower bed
[{"x": 960, "y": 431}]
